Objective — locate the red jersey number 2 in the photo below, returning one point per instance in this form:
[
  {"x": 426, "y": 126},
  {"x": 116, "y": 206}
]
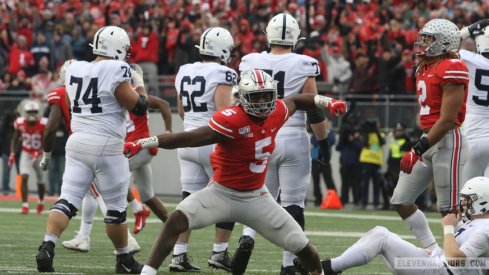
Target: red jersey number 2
[
  {"x": 424, "y": 108},
  {"x": 261, "y": 157}
]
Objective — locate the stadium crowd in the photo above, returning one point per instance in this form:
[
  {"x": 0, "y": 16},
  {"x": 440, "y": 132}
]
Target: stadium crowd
[{"x": 363, "y": 46}]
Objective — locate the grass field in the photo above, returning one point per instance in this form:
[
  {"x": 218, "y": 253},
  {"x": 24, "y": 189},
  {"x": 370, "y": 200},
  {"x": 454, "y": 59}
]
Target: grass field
[{"x": 330, "y": 231}]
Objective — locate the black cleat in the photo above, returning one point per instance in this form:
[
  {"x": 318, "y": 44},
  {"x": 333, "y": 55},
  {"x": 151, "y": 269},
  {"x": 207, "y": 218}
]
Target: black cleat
[
  {"x": 126, "y": 264},
  {"x": 326, "y": 264},
  {"x": 44, "y": 257},
  {"x": 220, "y": 260},
  {"x": 242, "y": 255},
  {"x": 181, "y": 263}
]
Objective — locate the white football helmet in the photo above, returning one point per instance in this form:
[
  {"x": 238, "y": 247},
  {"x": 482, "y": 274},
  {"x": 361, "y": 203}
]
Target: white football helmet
[
  {"x": 217, "y": 42},
  {"x": 476, "y": 195},
  {"x": 111, "y": 42},
  {"x": 31, "y": 109},
  {"x": 283, "y": 30},
  {"x": 62, "y": 70},
  {"x": 437, "y": 37},
  {"x": 258, "y": 93},
  {"x": 482, "y": 42}
]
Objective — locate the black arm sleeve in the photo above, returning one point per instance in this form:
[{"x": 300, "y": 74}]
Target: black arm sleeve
[
  {"x": 141, "y": 106},
  {"x": 315, "y": 116}
]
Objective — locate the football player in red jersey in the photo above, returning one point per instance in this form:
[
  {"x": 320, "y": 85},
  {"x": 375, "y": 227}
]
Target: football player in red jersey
[
  {"x": 440, "y": 153},
  {"x": 245, "y": 137},
  {"x": 30, "y": 130}
]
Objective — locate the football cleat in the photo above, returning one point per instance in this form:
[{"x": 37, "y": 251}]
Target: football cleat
[
  {"x": 24, "y": 210},
  {"x": 126, "y": 264},
  {"x": 40, "y": 208},
  {"x": 44, "y": 257},
  {"x": 299, "y": 267},
  {"x": 140, "y": 220},
  {"x": 220, "y": 260},
  {"x": 242, "y": 255},
  {"x": 79, "y": 243},
  {"x": 181, "y": 263},
  {"x": 289, "y": 270},
  {"x": 326, "y": 264}
]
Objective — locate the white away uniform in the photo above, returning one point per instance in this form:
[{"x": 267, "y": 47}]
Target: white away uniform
[
  {"x": 94, "y": 150},
  {"x": 289, "y": 169},
  {"x": 476, "y": 123},
  {"x": 472, "y": 238},
  {"x": 196, "y": 85}
]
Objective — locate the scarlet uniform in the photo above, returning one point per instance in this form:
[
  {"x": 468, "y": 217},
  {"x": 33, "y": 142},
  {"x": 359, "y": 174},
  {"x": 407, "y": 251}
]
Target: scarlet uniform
[
  {"x": 429, "y": 83},
  {"x": 242, "y": 163},
  {"x": 31, "y": 135},
  {"x": 443, "y": 162},
  {"x": 137, "y": 128},
  {"x": 58, "y": 97}
]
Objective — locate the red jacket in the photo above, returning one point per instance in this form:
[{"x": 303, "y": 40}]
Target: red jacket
[
  {"x": 19, "y": 59},
  {"x": 146, "y": 48}
]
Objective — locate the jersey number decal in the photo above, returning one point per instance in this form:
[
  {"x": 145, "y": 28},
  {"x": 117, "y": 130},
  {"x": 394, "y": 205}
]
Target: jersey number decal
[
  {"x": 191, "y": 95},
  {"x": 127, "y": 71},
  {"x": 260, "y": 156},
  {"x": 231, "y": 77},
  {"x": 31, "y": 141},
  {"x": 280, "y": 78},
  {"x": 479, "y": 73},
  {"x": 91, "y": 89},
  {"x": 425, "y": 108}
]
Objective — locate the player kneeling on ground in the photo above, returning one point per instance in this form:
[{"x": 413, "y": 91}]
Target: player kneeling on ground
[{"x": 245, "y": 137}]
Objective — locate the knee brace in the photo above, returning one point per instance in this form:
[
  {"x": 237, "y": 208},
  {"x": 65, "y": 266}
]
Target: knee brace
[
  {"x": 65, "y": 207},
  {"x": 115, "y": 217},
  {"x": 225, "y": 225},
  {"x": 185, "y": 194},
  {"x": 297, "y": 213}
]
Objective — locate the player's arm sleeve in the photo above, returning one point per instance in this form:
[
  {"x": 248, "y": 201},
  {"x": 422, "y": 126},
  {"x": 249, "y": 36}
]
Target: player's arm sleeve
[
  {"x": 309, "y": 67},
  {"x": 227, "y": 76},
  {"x": 221, "y": 123},
  {"x": 54, "y": 98},
  {"x": 476, "y": 245},
  {"x": 455, "y": 72}
]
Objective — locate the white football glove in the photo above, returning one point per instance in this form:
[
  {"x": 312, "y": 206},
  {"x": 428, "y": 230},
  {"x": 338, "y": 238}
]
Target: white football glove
[
  {"x": 46, "y": 158},
  {"x": 137, "y": 75}
]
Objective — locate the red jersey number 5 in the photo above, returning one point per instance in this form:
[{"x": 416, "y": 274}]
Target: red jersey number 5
[{"x": 260, "y": 156}]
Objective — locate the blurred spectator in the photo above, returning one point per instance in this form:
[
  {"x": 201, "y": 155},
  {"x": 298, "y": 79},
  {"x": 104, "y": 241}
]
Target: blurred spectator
[
  {"x": 6, "y": 132},
  {"x": 145, "y": 55},
  {"x": 41, "y": 48},
  {"x": 363, "y": 80},
  {"x": 469, "y": 45},
  {"x": 20, "y": 57},
  {"x": 321, "y": 166},
  {"x": 389, "y": 71},
  {"x": 42, "y": 82},
  {"x": 185, "y": 51},
  {"x": 339, "y": 72},
  {"x": 350, "y": 146},
  {"x": 245, "y": 38},
  {"x": 371, "y": 158},
  {"x": 61, "y": 50},
  {"x": 20, "y": 82},
  {"x": 314, "y": 49},
  {"x": 400, "y": 144},
  {"x": 408, "y": 63}
]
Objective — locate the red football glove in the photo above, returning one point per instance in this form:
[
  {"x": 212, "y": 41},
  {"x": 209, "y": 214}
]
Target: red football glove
[
  {"x": 408, "y": 161},
  {"x": 337, "y": 107},
  {"x": 131, "y": 149},
  {"x": 11, "y": 159}
]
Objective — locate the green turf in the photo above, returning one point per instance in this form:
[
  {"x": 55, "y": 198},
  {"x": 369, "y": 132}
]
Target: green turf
[{"x": 21, "y": 235}]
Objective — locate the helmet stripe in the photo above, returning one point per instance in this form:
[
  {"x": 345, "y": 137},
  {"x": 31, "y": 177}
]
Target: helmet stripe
[
  {"x": 98, "y": 35},
  {"x": 259, "y": 79},
  {"x": 205, "y": 35},
  {"x": 284, "y": 24}
]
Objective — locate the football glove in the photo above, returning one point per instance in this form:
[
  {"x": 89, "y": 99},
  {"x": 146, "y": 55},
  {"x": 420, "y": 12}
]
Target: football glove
[
  {"x": 475, "y": 29},
  {"x": 45, "y": 160},
  {"x": 336, "y": 107},
  {"x": 11, "y": 160},
  {"x": 137, "y": 75},
  {"x": 408, "y": 161},
  {"x": 131, "y": 149}
]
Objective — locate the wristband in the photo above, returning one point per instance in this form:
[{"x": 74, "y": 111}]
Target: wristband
[
  {"x": 46, "y": 155},
  {"x": 421, "y": 146},
  {"x": 150, "y": 142},
  {"x": 448, "y": 229},
  {"x": 322, "y": 101}
]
